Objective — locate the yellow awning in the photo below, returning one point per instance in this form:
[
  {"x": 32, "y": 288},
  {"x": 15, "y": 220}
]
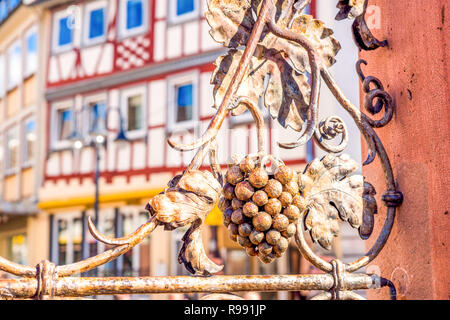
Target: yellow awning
[
  {"x": 104, "y": 198},
  {"x": 213, "y": 219}
]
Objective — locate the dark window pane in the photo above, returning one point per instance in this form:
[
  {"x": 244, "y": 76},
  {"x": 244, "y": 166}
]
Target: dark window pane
[
  {"x": 12, "y": 141},
  {"x": 184, "y": 6},
  {"x": 65, "y": 124},
  {"x": 184, "y": 102},
  {"x": 109, "y": 229},
  {"x": 65, "y": 33},
  {"x": 98, "y": 116},
  {"x": 30, "y": 138},
  {"x": 135, "y": 113},
  {"x": 77, "y": 239},
  {"x": 134, "y": 14},
  {"x": 32, "y": 55},
  {"x": 62, "y": 242},
  {"x": 97, "y": 23},
  {"x": 18, "y": 248}
]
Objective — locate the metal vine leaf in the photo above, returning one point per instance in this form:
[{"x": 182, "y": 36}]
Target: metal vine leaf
[
  {"x": 331, "y": 193},
  {"x": 286, "y": 94},
  {"x": 363, "y": 37},
  {"x": 278, "y": 69},
  {"x": 189, "y": 199},
  {"x": 350, "y": 9}
]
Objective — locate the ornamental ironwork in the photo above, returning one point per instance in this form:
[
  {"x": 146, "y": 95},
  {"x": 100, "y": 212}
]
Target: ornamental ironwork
[{"x": 280, "y": 54}]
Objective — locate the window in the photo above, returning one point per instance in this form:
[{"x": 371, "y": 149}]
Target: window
[
  {"x": 95, "y": 114},
  {"x": 107, "y": 225},
  {"x": 182, "y": 101},
  {"x": 30, "y": 140},
  {"x": 6, "y": 8},
  {"x": 18, "y": 248},
  {"x": 183, "y": 10},
  {"x": 67, "y": 238},
  {"x": 14, "y": 65},
  {"x": 65, "y": 33},
  {"x": 62, "y": 124},
  {"x": 95, "y": 22},
  {"x": 3, "y": 10},
  {"x": 62, "y": 242},
  {"x": 97, "y": 119},
  {"x": 12, "y": 149},
  {"x": 31, "y": 54},
  {"x": 2, "y": 76},
  {"x": 134, "y": 17},
  {"x": 135, "y": 112},
  {"x": 63, "y": 27},
  {"x": 133, "y": 104},
  {"x": 77, "y": 232}
]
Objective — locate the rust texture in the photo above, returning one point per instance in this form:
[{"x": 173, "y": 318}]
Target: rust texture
[
  {"x": 79, "y": 287},
  {"x": 278, "y": 53}
]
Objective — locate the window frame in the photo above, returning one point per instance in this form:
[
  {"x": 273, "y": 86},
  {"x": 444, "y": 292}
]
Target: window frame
[
  {"x": 87, "y": 101},
  {"x": 88, "y": 8},
  {"x": 26, "y": 72},
  {"x": 176, "y": 19},
  {"x": 172, "y": 83},
  {"x": 55, "y": 143},
  {"x": 28, "y": 162},
  {"x": 123, "y": 32},
  {"x": 56, "y": 48},
  {"x": 12, "y": 170},
  {"x": 124, "y": 95},
  {"x": 16, "y": 43}
]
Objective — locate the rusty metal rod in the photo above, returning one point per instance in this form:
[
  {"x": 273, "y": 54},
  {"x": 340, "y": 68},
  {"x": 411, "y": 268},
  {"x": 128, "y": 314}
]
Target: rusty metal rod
[{"x": 79, "y": 287}]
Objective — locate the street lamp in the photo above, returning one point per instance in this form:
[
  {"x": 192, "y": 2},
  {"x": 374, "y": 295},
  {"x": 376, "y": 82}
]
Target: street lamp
[{"x": 98, "y": 138}]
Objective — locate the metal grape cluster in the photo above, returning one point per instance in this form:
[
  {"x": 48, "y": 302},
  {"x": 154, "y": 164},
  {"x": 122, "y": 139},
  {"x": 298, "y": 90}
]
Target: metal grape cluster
[{"x": 261, "y": 209}]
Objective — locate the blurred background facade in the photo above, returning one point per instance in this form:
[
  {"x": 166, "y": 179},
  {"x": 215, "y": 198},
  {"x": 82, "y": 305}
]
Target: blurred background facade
[{"x": 103, "y": 84}]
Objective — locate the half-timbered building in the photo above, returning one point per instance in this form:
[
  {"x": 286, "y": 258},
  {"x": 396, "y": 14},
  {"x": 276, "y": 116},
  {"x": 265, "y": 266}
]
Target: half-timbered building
[{"x": 143, "y": 68}]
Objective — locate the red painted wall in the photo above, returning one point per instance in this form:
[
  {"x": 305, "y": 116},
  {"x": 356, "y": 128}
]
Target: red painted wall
[{"x": 414, "y": 70}]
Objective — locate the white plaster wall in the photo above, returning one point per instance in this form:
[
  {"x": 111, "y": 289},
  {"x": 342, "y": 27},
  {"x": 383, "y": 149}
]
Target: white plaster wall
[
  {"x": 191, "y": 32},
  {"x": 106, "y": 63},
  {"x": 123, "y": 158},
  {"x": 53, "y": 165},
  {"x": 139, "y": 156},
  {"x": 207, "y": 41},
  {"x": 67, "y": 164},
  {"x": 174, "y": 35},
  {"x": 156, "y": 149},
  {"x": 160, "y": 41},
  {"x": 157, "y": 102},
  {"x": 89, "y": 57},
  {"x": 206, "y": 95},
  {"x": 161, "y": 9}
]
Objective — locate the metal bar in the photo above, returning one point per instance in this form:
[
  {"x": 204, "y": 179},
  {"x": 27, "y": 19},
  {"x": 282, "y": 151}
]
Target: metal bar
[{"x": 79, "y": 287}]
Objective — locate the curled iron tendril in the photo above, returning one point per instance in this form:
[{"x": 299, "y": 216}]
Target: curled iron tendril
[
  {"x": 377, "y": 95},
  {"x": 329, "y": 129}
]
